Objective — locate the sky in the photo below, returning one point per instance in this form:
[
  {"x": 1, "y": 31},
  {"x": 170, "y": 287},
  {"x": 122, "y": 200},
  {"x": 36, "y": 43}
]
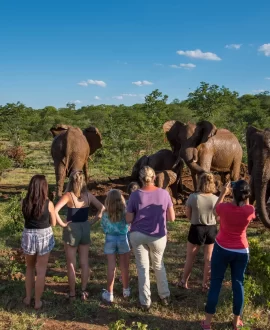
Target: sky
[{"x": 115, "y": 52}]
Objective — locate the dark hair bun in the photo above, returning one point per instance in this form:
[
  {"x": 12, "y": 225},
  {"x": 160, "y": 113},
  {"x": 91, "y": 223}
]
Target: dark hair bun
[{"x": 241, "y": 191}]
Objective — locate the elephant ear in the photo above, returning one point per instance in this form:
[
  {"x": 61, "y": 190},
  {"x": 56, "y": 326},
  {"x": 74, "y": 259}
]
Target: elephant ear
[
  {"x": 59, "y": 129},
  {"x": 93, "y": 137},
  {"x": 205, "y": 131},
  {"x": 172, "y": 129}
]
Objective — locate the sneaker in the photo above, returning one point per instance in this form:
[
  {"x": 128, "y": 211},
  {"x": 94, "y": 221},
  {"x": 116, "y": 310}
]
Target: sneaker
[
  {"x": 165, "y": 301},
  {"x": 126, "y": 293},
  {"x": 107, "y": 296},
  {"x": 145, "y": 308}
]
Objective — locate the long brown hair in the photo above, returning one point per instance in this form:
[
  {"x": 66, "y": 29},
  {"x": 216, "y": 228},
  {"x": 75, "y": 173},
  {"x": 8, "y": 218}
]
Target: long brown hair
[
  {"x": 37, "y": 194},
  {"x": 115, "y": 205}
]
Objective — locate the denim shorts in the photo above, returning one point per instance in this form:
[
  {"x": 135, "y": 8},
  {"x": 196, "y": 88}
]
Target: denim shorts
[
  {"x": 37, "y": 241},
  {"x": 116, "y": 244}
]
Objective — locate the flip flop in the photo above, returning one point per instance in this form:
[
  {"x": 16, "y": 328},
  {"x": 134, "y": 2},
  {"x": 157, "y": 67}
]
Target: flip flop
[
  {"x": 205, "y": 288},
  {"x": 26, "y": 304},
  {"x": 84, "y": 295},
  {"x": 41, "y": 305},
  {"x": 205, "y": 326},
  {"x": 181, "y": 285},
  {"x": 239, "y": 325}
]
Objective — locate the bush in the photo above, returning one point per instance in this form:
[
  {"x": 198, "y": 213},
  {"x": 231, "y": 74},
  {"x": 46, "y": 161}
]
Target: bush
[
  {"x": 14, "y": 211},
  {"x": 17, "y": 154},
  {"x": 257, "y": 283},
  {"x": 5, "y": 163}
]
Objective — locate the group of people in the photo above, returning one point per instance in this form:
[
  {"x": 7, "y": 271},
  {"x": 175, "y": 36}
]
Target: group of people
[{"x": 140, "y": 223}]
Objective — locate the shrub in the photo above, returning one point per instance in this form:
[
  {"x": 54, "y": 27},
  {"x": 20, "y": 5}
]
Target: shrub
[
  {"x": 257, "y": 283},
  {"x": 14, "y": 211},
  {"x": 17, "y": 154},
  {"x": 5, "y": 163}
]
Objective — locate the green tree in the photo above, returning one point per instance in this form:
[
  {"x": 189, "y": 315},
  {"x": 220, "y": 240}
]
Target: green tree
[{"x": 209, "y": 101}]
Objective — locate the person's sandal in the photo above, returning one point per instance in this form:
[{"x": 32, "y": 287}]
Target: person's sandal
[
  {"x": 205, "y": 326},
  {"x": 181, "y": 285},
  {"x": 239, "y": 325},
  {"x": 205, "y": 288},
  {"x": 70, "y": 298},
  {"x": 84, "y": 295}
]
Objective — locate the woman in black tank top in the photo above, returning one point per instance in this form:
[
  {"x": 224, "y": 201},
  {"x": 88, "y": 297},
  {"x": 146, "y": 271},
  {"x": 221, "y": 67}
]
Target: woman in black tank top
[
  {"x": 76, "y": 228},
  {"x": 37, "y": 238}
]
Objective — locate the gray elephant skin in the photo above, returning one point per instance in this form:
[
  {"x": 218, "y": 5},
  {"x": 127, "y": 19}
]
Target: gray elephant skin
[
  {"x": 258, "y": 149},
  {"x": 70, "y": 150},
  {"x": 162, "y": 161},
  {"x": 205, "y": 148}
]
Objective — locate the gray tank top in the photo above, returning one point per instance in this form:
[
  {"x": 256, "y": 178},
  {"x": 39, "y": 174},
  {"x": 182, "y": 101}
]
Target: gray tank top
[{"x": 202, "y": 207}]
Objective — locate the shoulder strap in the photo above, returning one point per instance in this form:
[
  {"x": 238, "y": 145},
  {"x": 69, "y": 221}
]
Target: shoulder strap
[{"x": 72, "y": 200}]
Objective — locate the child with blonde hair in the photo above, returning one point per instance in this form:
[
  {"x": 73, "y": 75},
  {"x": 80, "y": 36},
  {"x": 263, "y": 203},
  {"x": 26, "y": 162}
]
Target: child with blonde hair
[{"x": 115, "y": 227}]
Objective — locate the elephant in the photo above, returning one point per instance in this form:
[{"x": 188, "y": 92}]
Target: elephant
[
  {"x": 205, "y": 148},
  {"x": 167, "y": 180},
  {"x": 70, "y": 150},
  {"x": 258, "y": 151},
  {"x": 162, "y": 160}
]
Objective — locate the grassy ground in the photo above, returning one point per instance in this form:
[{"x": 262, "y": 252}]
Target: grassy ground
[{"x": 184, "y": 313}]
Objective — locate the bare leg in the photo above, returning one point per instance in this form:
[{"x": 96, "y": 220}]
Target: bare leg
[
  {"x": 84, "y": 264},
  {"x": 71, "y": 266},
  {"x": 111, "y": 272},
  {"x": 192, "y": 251},
  {"x": 208, "y": 249},
  {"x": 29, "y": 277},
  {"x": 124, "y": 266},
  {"x": 41, "y": 268}
]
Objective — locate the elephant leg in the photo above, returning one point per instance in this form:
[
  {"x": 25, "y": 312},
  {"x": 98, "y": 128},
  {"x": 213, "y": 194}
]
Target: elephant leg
[
  {"x": 194, "y": 179},
  {"x": 170, "y": 193},
  {"x": 60, "y": 174},
  {"x": 235, "y": 170},
  {"x": 85, "y": 171}
]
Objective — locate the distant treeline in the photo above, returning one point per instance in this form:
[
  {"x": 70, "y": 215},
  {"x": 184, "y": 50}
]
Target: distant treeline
[{"x": 129, "y": 131}]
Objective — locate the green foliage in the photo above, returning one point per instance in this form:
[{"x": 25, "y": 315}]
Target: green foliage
[
  {"x": 121, "y": 325},
  {"x": 14, "y": 211},
  {"x": 5, "y": 163},
  {"x": 129, "y": 132},
  {"x": 257, "y": 283}
]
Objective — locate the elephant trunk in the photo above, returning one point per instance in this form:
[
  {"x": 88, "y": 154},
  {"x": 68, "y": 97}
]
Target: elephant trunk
[
  {"x": 260, "y": 187},
  {"x": 188, "y": 155}
]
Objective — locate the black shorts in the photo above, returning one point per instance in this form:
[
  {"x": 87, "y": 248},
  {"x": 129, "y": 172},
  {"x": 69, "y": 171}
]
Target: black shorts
[{"x": 202, "y": 234}]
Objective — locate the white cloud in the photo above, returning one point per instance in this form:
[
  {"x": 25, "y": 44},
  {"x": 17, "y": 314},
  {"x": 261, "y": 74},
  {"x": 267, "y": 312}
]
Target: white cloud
[
  {"x": 233, "y": 46},
  {"x": 96, "y": 82},
  {"x": 197, "y": 53},
  {"x": 267, "y": 78},
  {"x": 77, "y": 101},
  {"x": 97, "y": 98},
  {"x": 258, "y": 91},
  {"x": 83, "y": 83},
  {"x": 265, "y": 49},
  {"x": 130, "y": 95},
  {"x": 142, "y": 83},
  {"x": 183, "y": 66},
  {"x": 120, "y": 97}
]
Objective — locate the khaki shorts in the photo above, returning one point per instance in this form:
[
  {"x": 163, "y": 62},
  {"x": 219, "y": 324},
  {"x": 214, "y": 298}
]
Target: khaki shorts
[{"x": 77, "y": 233}]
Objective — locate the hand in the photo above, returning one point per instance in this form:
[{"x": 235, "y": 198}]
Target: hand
[
  {"x": 65, "y": 224},
  {"x": 226, "y": 189}
]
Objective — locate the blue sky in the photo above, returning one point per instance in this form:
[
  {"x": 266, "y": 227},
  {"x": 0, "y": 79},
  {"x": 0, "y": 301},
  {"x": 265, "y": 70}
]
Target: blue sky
[{"x": 48, "y": 47}]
